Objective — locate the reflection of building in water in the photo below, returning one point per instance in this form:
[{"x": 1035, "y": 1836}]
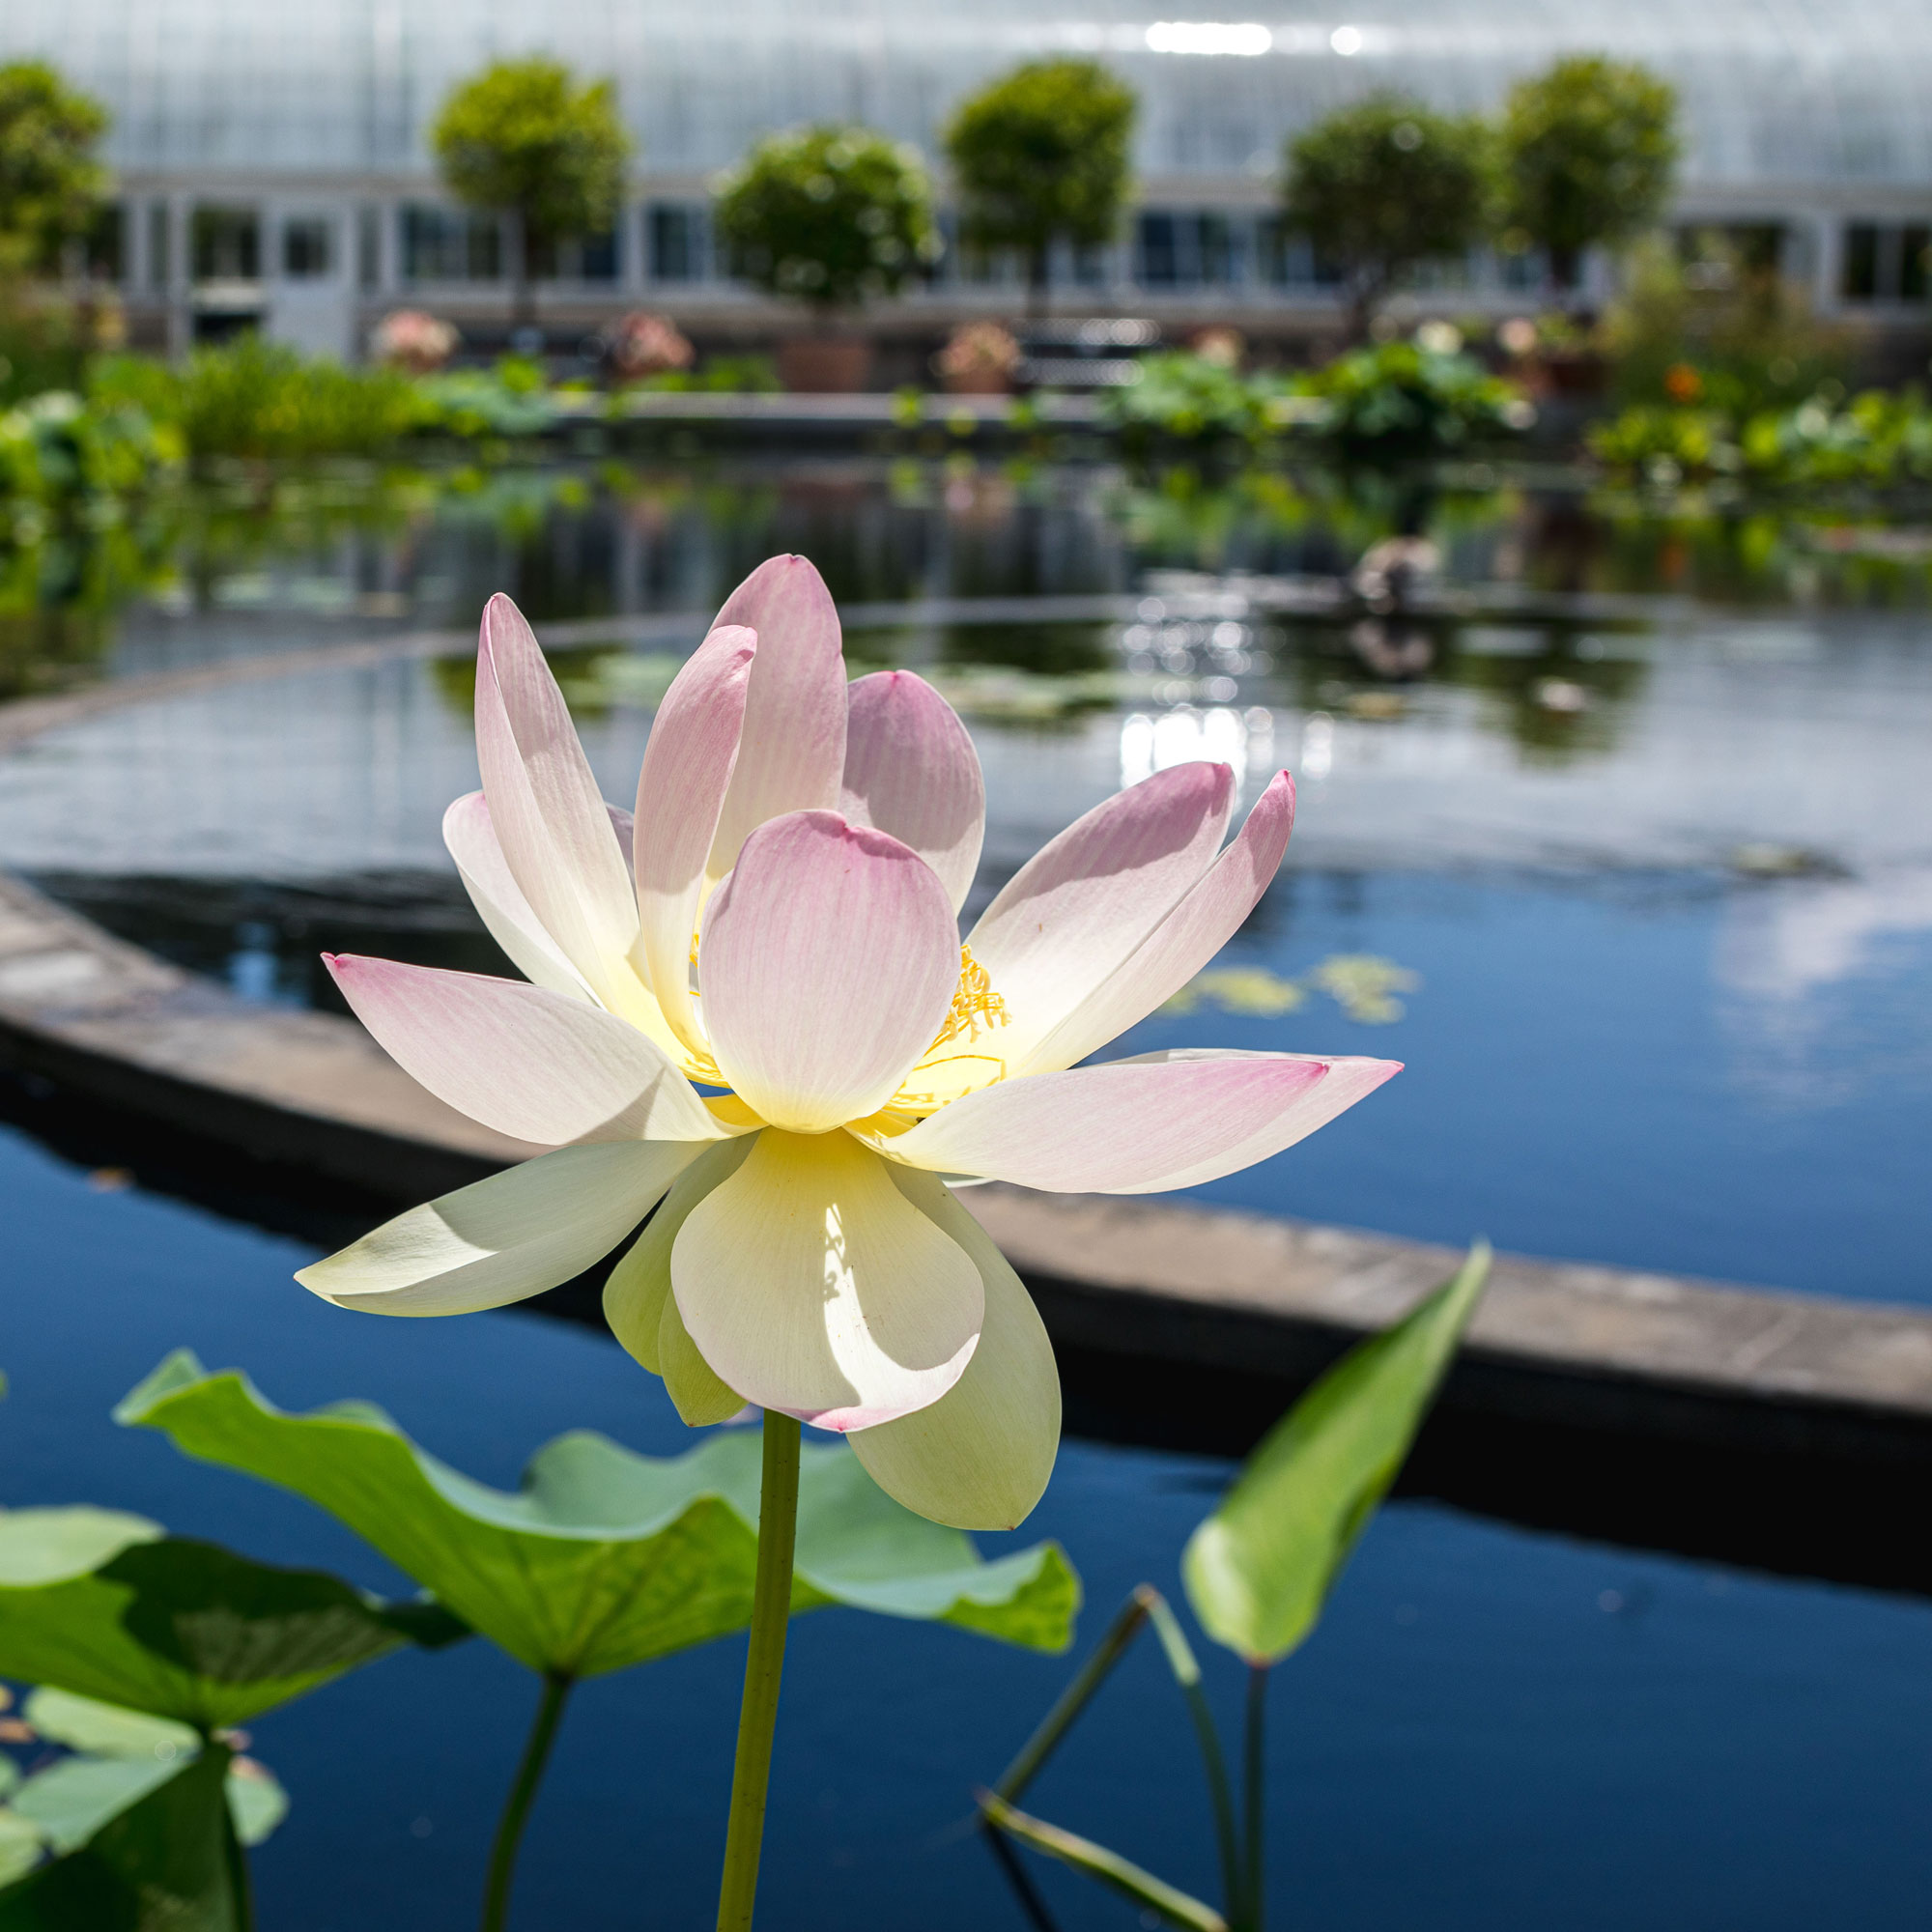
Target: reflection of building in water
[
  {"x": 273, "y": 159},
  {"x": 288, "y": 776}
]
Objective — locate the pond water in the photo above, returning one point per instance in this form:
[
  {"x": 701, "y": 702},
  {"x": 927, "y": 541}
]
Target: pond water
[
  {"x": 1655, "y": 869},
  {"x": 1491, "y": 1728},
  {"x": 1642, "y": 839}
]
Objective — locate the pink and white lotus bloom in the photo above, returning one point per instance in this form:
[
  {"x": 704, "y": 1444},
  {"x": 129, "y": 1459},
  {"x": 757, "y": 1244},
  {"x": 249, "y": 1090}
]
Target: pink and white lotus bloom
[{"x": 749, "y": 1008}]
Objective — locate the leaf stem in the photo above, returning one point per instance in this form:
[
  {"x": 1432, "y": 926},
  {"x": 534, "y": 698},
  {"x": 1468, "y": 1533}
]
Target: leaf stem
[
  {"x": 764, "y": 1664},
  {"x": 1253, "y": 1910},
  {"x": 1077, "y": 1696},
  {"x": 1182, "y": 1662},
  {"x": 1121, "y": 1874},
  {"x": 516, "y": 1807},
  {"x": 241, "y": 1880}
]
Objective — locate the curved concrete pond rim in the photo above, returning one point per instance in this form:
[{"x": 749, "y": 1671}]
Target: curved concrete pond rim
[{"x": 1786, "y": 1430}]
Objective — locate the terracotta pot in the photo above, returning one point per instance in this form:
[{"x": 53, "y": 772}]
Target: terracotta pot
[
  {"x": 824, "y": 365},
  {"x": 979, "y": 382},
  {"x": 1575, "y": 372}
]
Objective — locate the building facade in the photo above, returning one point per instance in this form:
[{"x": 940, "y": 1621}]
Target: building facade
[{"x": 273, "y": 169}]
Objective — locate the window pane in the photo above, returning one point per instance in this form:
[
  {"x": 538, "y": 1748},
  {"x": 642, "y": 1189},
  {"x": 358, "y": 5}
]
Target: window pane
[
  {"x": 450, "y": 245},
  {"x": 306, "y": 248},
  {"x": 1860, "y": 273},
  {"x": 227, "y": 244},
  {"x": 673, "y": 244},
  {"x": 1913, "y": 266},
  {"x": 482, "y": 252},
  {"x": 159, "y": 230},
  {"x": 597, "y": 258},
  {"x": 1159, "y": 251},
  {"x": 1220, "y": 252}
]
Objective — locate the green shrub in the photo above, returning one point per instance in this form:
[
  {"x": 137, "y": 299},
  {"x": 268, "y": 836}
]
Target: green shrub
[
  {"x": 1733, "y": 337},
  {"x": 719, "y": 375},
  {"x": 1188, "y": 398},
  {"x": 1401, "y": 401},
  {"x": 509, "y": 400},
  {"x": 1662, "y": 444},
  {"x": 63, "y": 459},
  {"x": 264, "y": 400},
  {"x": 1879, "y": 441}
]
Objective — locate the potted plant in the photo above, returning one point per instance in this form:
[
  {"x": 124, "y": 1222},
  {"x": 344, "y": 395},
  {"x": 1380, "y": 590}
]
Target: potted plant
[
  {"x": 981, "y": 359},
  {"x": 830, "y": 217},
  {"x": 644, "y": 344}
]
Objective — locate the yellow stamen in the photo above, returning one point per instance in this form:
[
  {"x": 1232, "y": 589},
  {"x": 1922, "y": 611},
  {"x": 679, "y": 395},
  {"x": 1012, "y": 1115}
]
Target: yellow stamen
[{"x": 975, "y": 1005}]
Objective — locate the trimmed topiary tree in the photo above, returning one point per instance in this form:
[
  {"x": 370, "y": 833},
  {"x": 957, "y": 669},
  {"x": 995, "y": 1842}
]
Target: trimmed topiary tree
[
  {"x": 50, "y": 180},
  {"x": 831, "y": 216},
  {"x": 1042, "y": 156},
  {"x": 524, "y": 140},
  {"x": 1589, "y": 155},
  {"x": 1384, "y": 186}
]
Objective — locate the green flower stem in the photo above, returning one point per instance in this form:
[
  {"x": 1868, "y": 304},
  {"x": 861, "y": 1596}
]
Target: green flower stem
[
  {"x": 1077, "y": 1696},
  {"x": 240, "y": 1881},
  {"x": 516, "y": 1807},
  {"x": 1253, "y": 1909},
  {"x": 764, "y": 1664},
  {"x": 1182, "y": 1662}
]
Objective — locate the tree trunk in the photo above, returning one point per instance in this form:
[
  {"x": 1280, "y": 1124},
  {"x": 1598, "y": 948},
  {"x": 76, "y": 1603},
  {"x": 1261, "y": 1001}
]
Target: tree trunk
[
  {"x": 1365, "y": 295},
  {"x": 523, "y": 287},
  {"x": 1039, "y": 263},
  {"x": 1564, "y": 266}
]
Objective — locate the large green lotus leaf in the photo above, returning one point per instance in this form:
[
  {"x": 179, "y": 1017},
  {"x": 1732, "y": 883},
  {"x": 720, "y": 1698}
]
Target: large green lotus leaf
[
  {"x": 605, "y": 1558},
  {"x": 1258, "y": 1570},
  {"x": 151, "y": 1854},
  {"x": 109, "y": 1606},
  {"x": 105, "y": 1731},
  {"x": 21, "y": 1844}
]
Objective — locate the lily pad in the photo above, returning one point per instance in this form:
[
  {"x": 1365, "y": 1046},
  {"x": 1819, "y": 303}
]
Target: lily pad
[
  {"x": 136, "y": 1851},
  {"x": 110, "y": 1606},
  {"x": 256, "y": 1800},
  {"x": 605, "y": 1558}
]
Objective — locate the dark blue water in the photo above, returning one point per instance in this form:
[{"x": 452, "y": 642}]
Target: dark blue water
[
  {"x": 1595, "y": 1068},
  {"x": 1492, "y": 1728}
]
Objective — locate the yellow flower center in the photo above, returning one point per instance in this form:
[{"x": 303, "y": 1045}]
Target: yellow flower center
[{"x": 975, "y": 1006}]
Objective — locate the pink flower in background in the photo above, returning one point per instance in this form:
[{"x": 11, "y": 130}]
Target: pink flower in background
[
  {"x": 412, "y": 339},
  {"x": 644, "y": 344},
  {"x": 751, "y": 1005}
]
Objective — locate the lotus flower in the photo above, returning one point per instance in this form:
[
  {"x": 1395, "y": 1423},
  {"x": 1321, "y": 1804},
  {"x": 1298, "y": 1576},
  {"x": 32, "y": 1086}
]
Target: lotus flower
[{"x": 750, "y": 1008}]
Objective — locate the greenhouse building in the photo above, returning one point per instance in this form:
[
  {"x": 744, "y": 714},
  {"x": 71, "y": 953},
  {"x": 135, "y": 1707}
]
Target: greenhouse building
[{"x": 272, "y": 166}]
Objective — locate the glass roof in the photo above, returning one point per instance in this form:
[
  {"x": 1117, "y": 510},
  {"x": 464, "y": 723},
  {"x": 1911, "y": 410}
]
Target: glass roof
[{"x": 1774, "y": 90}]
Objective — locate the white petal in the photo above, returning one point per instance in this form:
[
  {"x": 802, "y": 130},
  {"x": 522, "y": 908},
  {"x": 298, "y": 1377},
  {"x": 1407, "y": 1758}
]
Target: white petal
[
  {"x": 1139, "y": 1126},
  {"x": 689, "y": 760},
  {"x": 1184, "y": 942},
  {"x": 528, "y": 1062},
  {"x": 552, "y": 823},
  {"x": 981, "y": 1456},
  {"x": 811, "y": 1283},
  {"x": 910, "y": 770},
  {"x": 639, "y": 1284},
  {"x": 505, "y": 1238},
  {"x": 792, "y": 748},
  {"x": 827, "y": 967},
  {"x": 1077, "y": 909},
  {"x": 499, "y": 900}
]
